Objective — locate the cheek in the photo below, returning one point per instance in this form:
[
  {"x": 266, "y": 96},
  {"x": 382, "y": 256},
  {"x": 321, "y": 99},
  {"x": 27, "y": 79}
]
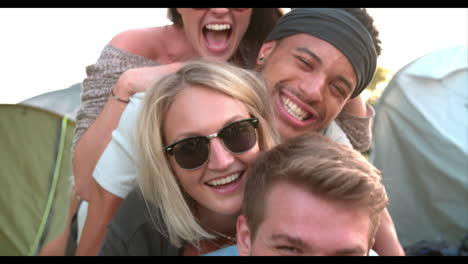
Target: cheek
[
  {"x": 333, "y": 107},
  {"x": 243, "y": 20},
  {"x": 185, "y": 178},
  {"x": 249, "y": 157}
]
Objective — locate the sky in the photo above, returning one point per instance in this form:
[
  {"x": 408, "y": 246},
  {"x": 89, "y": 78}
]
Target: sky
[{"x": 43, "y": 50}]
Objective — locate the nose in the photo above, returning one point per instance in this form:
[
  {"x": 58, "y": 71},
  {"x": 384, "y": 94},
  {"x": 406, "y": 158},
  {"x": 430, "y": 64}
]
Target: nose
[
  {"x": 219, "y": 11},
  {"x": 312, "y": 88},
  {"x": 220, "y": 158}
]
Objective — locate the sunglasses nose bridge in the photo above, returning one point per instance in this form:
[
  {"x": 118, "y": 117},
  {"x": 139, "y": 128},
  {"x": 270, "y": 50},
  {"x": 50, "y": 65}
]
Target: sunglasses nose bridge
[{"x": 212, "y": 136}]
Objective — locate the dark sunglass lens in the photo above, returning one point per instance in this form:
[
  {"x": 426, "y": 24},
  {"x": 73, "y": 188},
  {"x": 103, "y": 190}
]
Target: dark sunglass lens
[
  {"x": 239, "y": 137},
  {"x": 192, "y": 153}
]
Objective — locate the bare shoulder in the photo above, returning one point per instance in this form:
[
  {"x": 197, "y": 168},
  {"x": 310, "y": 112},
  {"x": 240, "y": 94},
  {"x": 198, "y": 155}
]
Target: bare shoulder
[{"x": 143, "y": 41}]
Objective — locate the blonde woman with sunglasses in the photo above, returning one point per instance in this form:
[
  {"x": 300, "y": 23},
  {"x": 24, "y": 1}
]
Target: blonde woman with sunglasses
[{"x": 199, "y": 131}]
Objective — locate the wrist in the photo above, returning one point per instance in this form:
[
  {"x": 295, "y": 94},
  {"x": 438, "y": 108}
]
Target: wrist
[
  {"x": 123, "y": 88},
  {"x": 118, "y": 98}
]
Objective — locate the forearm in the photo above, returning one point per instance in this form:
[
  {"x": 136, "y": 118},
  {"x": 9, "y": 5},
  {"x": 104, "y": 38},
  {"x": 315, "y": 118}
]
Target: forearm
[
  {"x": 93, "y": 142},
  {"x": 356, "y": 107},
  {"x": 386, "y": 238},
  {"x": 356, "y": 121},
  {"x": 101, "y": 209}
]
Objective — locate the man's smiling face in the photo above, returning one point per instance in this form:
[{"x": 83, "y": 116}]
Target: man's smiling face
[{"x": 310, "y": 81}]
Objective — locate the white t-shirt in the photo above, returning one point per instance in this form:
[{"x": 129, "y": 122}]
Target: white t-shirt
[{"x": 116, "y": 169}]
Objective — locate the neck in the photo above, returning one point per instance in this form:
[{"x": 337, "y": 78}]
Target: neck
[{"x": 218, "y": 224}]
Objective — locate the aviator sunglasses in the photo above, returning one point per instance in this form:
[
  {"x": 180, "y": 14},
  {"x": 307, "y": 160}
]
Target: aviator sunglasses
[{"x": 192, "y": 152}]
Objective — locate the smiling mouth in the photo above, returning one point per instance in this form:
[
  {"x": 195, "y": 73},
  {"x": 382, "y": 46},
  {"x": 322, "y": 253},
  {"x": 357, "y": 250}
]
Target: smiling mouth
[
  {"x": 294, "y": 110},
  {"x": 217, "y": 36},
  {"x": 221, "y": 182}
]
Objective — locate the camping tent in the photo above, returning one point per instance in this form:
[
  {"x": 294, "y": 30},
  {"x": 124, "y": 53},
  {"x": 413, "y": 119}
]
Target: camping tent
[
  {"x": 63, "y": 102},
  {"x": 35, "y": 170},
  {"x": 35, "y": 173},
  {"x": 420, "y": 143}
]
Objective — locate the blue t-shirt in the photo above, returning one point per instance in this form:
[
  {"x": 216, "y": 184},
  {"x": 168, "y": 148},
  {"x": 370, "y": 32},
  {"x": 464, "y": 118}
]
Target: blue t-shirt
[{"x": 227, "y": 251}]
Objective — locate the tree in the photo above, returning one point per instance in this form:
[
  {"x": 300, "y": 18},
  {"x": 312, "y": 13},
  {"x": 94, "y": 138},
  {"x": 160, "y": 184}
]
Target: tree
[{"x": 380, "y": 80}]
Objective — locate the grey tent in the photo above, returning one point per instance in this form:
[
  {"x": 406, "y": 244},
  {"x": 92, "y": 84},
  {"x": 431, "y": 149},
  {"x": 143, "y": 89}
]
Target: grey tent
[
  {"x": 420, "y": 143},
  {"x": 35, "y": 169},
  {"x": 63, "y": 102}
]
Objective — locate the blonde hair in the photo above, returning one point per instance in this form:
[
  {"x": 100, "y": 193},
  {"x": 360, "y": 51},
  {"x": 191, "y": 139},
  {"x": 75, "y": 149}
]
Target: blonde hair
[
  {"x": 322, "y": 167},
  {"x": 156, "y": 180}
]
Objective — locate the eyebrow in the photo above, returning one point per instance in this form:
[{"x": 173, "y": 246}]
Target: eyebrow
[
  {"x": 302, "y": 244},
  {"x": 310, "y": 53},
  {"x": 290, "y": 239},
  {"x": 353, "y": 250},
  {"x": 346, "y": 82}
]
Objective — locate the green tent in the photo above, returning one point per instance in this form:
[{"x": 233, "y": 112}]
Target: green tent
[{"x": 35, "y": 173}]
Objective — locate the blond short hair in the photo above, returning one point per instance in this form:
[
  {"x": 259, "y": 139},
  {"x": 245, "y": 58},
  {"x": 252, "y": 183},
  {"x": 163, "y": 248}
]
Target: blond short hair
[
  {"x": 156, "y": 180},
  {"x": 318, "y": 165}
]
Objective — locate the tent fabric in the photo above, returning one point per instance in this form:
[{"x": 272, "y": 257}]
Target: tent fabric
[
  {"x": 63, "y": 102},
  {"x": 29, "y": 141},
  {"x": 420, "y": 143}
]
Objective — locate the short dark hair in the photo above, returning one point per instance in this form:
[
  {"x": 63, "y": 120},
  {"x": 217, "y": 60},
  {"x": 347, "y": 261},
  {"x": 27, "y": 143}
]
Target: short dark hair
[{"x": 366, "y": 19}]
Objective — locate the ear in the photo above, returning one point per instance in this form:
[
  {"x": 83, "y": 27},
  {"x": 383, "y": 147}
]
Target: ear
[
  {"x": 265, "y": 51},
  {"x": 243, "y": 236}
]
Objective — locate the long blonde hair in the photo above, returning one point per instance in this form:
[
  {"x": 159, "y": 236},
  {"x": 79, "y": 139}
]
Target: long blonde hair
[{"x": 156, "y": 180}]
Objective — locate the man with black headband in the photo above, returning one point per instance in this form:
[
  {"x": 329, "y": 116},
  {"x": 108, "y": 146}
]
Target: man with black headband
[{"x": 315, "y": 60}]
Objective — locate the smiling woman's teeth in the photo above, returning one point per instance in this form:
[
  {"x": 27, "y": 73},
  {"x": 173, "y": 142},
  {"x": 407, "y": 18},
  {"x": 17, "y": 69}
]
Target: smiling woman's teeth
[
  {"x": 294, "y": 109},
  {"x": 218, "y": 27},
  {"x": 224, "y": 181}
]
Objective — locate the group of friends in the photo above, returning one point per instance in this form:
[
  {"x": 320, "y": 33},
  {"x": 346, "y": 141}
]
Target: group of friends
[{"x": 233, "y": 131}]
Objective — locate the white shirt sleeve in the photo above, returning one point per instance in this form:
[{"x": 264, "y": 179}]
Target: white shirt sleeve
[
  {"x": 335, "y": 132},
  {"x": 116, "y": 169}
]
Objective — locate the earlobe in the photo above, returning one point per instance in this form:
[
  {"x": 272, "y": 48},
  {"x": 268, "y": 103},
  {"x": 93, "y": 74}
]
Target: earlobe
[
  {"x": 243, "y": 236},
  {"x": 265, "y": 51}
]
